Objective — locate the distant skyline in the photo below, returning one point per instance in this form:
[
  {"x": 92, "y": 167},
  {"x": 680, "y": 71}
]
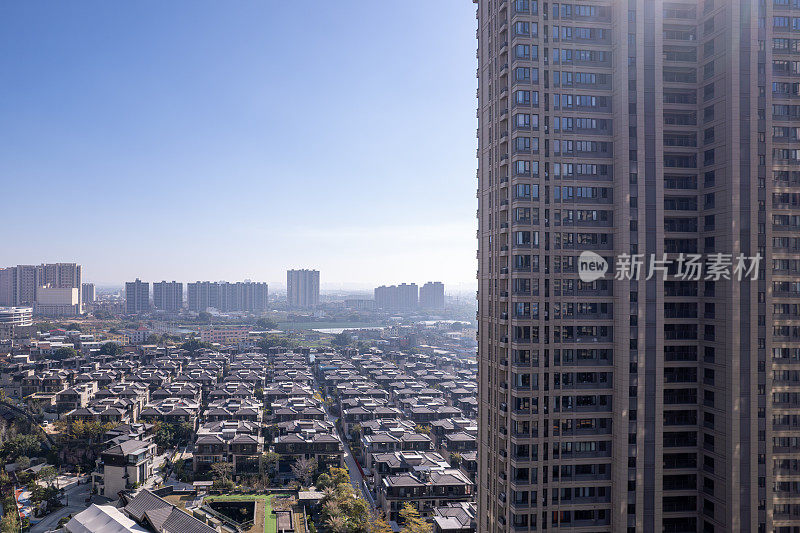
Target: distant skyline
[{"x": 207, "y": 141}]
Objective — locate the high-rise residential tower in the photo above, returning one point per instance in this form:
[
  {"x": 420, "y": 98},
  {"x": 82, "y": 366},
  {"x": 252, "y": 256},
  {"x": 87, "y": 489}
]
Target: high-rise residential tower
[
  {"x": 302, "y": 288},
  {"x": 137, "y": 297},
  {"x": 431, "y": 295},
  {"x": 638, "y": 127},
  {"x": 248, "y": 296},
  {"x": 403, "y": 297},
  {"x": 168, "y": 296},
  {"x": 88, "y": 293}
]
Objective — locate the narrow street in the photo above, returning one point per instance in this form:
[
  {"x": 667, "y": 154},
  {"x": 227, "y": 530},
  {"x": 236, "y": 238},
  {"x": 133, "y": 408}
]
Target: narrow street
[
  {"x": 356, "y": 479},
  {"x": 75, "y": 502}
]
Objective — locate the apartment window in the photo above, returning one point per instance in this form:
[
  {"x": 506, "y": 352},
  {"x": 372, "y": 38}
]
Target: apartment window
[
  {"x": 522, "y": 28},
  {"x": 708, "y": 91}
]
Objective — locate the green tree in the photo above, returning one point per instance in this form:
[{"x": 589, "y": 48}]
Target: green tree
[
  {"x": 455, "y": 459},
  {"x": 48, "y": 474},
  {"x": 265, "y": 324},
  {"x": 378, "y": 524},
  {"x": 341, "y": 340},
  {"x": 333, "y": 478},
  {"x": 204, "y": 317},
  {"x": 344, "y": 510},
  {"x": 411, "y": 521},
  {"x": 10, "y": 522},
  {"x": 193, "y": 346},
  {"x": 27, "y": 445},
  {"x": 110, "y": 348},
  {"x": 271, "y": 461},
  {"x": 424, "y": 430},
  {"x": 64, "y": 353}
]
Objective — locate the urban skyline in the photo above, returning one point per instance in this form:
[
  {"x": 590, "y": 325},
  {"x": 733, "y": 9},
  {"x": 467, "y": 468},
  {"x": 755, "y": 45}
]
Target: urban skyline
[{"x": 194, "y": 110}]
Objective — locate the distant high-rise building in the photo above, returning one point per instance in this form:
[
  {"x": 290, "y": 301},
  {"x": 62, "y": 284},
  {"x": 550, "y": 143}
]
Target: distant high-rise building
[
  {"x": 431, "y": 295},
  {"x": 88, "y": 293},
  {"x": 247, "y": 296},
  {"x": 403, "y": 297},
  {"x": 19, "y": 284},
  {"x": 168, "y": 296},
  {"x": 8, "y": 281},
  {"x": 137, "y": 297},
  {"x": 302, "y": 288},
  {"x": 26, "y": 282}
]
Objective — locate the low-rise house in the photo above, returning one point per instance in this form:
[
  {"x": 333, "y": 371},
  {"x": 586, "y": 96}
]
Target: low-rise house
[
  {"x": 157, "y": 514},
  {"x": 326, "y": 449},
  {"x": 425, "y": 489},
  {"x": 74, "y": 397},
  {"x": 124, "y": 466},
  {"x": 230, "y": 441},
  {"x": 459, "y": 517}
]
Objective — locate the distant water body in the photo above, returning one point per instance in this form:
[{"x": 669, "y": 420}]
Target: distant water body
[{"x": 336, "y": 331}]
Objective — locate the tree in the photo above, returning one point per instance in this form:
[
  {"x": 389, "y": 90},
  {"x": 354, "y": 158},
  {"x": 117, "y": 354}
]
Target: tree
[
  {"x": 48, "y": 474},
  {"x": 270, "y": 462},
  {"x": 424, "y": 430},
  {"x": 64, "y": 353},
  {"x": 333, "y": 478},
  {"x": 27, "y": 445},
  {"x": 303, "y": 469},
  {"x": 378, "y": 524},
  {"x": 265, "y": 324},
  {"x": 412, "y": 522},
  {"x": 9, "y": 523},
  {"x": 341, "y": 340},
  {"x": 110, "y": 348},
  {"x": 193, "y": 346},
  {"x": 222, "y": 470},
  {"x": 455, "y": 459},
  {"x": 342, "y": 502},
  {"x": 204, "y": 317}
]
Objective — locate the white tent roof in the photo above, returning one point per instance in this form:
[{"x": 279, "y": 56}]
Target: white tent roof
[{"x": 102, "y": 518}]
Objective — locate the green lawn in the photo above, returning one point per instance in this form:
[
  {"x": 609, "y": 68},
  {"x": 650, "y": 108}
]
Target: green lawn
[{"x": 270, "y": 523}]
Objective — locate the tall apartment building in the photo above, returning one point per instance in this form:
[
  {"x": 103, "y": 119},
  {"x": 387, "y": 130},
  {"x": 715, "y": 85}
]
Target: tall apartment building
[
  {"x": 638, "y": 127},
  {"x": 88, "y": 294},
  {"x": 168, "y": 296},
  {"x": 19, "y": 284},
  {"x": 431, "y": 295},
  {"x": 247, "y": 296},
  {"x": 403, "y": 297},
  {"x": 137, "y": 297},
  {"x": 302, "y": 288},
  {"x": 8, "y": 279}
]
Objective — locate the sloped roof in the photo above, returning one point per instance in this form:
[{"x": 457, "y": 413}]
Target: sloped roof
[{"x": 105, "y": 518}]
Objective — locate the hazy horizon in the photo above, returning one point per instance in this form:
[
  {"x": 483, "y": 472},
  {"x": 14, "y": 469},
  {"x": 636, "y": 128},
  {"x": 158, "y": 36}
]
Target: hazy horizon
[{"x": 196, "y": 140}]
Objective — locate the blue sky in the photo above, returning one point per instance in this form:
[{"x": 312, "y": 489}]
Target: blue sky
[{"x": 229, "y": 140}]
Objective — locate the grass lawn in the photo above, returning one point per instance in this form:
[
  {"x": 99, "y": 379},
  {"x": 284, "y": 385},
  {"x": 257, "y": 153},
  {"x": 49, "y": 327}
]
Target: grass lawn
[{"x": 263, "y": 512}]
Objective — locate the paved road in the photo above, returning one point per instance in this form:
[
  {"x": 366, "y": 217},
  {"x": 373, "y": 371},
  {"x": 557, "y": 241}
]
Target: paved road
[
  {"x": 75, "y": 497},
  {"x": 355, "y": 474}
]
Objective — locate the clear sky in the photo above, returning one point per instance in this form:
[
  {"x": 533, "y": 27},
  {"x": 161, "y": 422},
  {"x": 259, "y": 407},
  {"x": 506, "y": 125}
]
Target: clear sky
[{"x": 229, "y": 140}]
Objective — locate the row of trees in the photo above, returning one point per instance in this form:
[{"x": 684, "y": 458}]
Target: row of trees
[{"x": 344, "y": 511}]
